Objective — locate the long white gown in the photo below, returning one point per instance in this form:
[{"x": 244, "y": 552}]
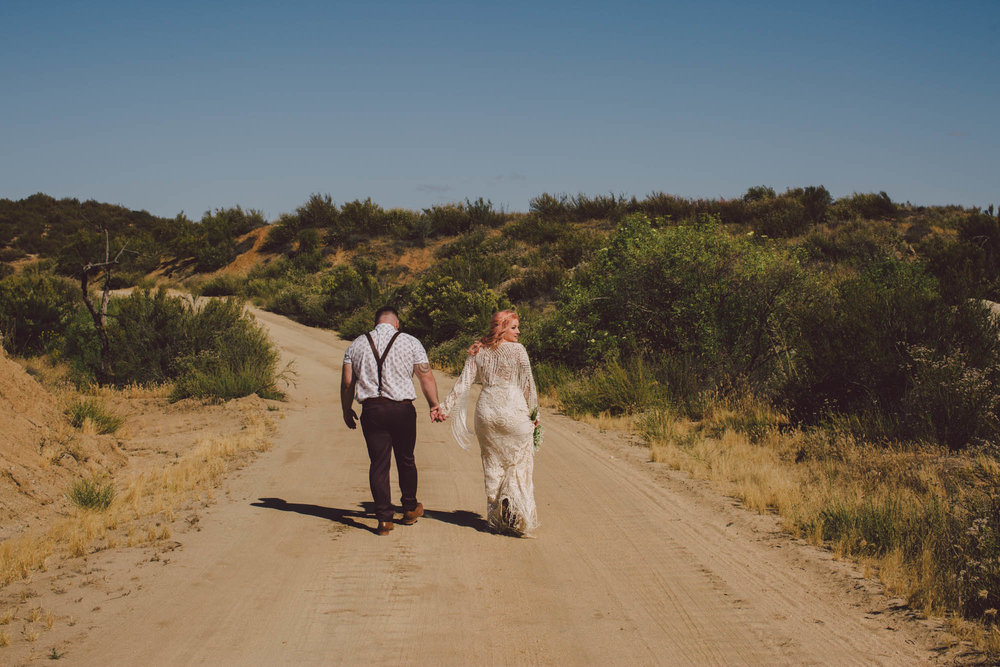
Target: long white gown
[{"x": 504, "y": 429}]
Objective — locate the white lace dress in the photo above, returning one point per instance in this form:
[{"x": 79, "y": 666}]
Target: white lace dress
[{"x": 504, "y": 430}]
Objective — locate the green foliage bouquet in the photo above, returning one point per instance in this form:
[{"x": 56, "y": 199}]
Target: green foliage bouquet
[{"x": 536, "y": 436}]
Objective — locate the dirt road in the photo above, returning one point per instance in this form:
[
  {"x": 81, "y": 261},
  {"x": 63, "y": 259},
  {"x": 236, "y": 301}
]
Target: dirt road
[{"x": 633, "y": 565}]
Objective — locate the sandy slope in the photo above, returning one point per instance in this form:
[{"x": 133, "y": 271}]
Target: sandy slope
[{"x": 632, "y": 564}]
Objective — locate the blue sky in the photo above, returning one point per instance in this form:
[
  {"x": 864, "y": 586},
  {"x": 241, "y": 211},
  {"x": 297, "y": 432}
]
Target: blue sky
[{"x": 188, "y": 106}]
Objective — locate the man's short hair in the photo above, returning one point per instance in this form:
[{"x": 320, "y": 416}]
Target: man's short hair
[{"x": 383, "y": 310}]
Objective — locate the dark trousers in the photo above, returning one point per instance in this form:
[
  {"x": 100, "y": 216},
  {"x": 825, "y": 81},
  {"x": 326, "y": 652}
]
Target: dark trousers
[{"x": 390, "y": 427}]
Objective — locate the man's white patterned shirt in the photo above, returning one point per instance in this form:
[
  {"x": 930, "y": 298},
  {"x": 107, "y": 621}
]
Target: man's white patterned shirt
[{"x": 397, "y": 370}]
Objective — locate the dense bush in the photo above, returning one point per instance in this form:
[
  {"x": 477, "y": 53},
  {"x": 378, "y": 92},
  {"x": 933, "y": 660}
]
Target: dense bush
[
  {"x": 148, "y": 332},
  {"x": 759, "y": 193},
  {"x": 35, "y": 309},
  {"x": 220, "y": 285},
  {"x": 282, "y": 233},
  {"x": 855, "y": 243},
  {"x": 319, "y": 211},
  {"x": 213, "y": 349},
  {"x": 448, "y": 219},
  {"x": 358, "y": 220},
  {"x": 441, "y": 308},
  {"x": 229, "y": 355},
  {"x": 855, "y": 356},
  {"x": 408, "y": 225},
  {"x": 778, "y": 217},
  {"x": 967, "y": 266},
  {"x": 536, "y": 282},
  {"x": 869, "y": 206},
  {"x": 721, "y": 302}
]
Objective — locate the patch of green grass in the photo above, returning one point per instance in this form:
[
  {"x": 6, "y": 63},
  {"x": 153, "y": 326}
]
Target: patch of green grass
[
  {"x": 92, "y": 494},
  {"x": 103, "y": 419}
]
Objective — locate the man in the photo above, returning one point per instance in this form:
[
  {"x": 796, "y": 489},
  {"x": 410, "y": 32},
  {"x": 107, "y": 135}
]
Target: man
[{"x": 378, "y": 371}]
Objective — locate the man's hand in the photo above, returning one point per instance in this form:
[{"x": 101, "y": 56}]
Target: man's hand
[
  {"x": 347, "y": 382},
  {"x": 429, "y": 387}
]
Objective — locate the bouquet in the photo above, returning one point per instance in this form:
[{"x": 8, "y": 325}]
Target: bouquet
[{"x": 537, "y": 435}]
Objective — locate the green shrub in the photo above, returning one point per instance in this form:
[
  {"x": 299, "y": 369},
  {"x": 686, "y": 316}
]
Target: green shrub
[
  {"x": 537, "y": 229},
  {"x": 975, "y": 562},
  {"x": 213, "y": 241},
  {"x": 148, "y": 332},
  {"x": 103, "y": 420},
  {"x": 358, "y": 323},
  {"x": 855, "y": 243},
  {"x": 408, "y": 225},
  {"x": 319, "y": 211},
  {"x": 601, "y": 207},
  {"x": 448, "y": 219},
  {"x": 951, "y": 400},
  {"x": 92, "y": 494},
  {"x": 450, "y": 355},
  {"x": 482, "y": 213},
  {"x": 550, "y": 208},
  {"x": 213, "y": 350},
  {"x": 220, "y": 285},
  {"x": 616, "y": 389},
  {"x": 693, "y": 291},
  {"x": 668, "y": 207},
  {"x": 344, "y": 289},
  {"x": 969, "y": 265},
  {"x": 358, "y": 220},
  {"x": 815, "y": 200},
  {"x": 11, "y": 254},
  {"x": 869, "y": 206},
  {"x": 759, "y": 193},
  {"x": 35, "y": 309},
  {"x": 854, "y": 356},
  {"x": 441, "y": 308},
  {"x": 577, "y": 245},
  {"x": 282, "y": 233},
  {"x": 778, "y": 217},
  {"x": 301, "y": 305},
  {"x": 536, "y": 282},
  {"x": 231, "y": 355},
  {"x": 551, "y": 377}
]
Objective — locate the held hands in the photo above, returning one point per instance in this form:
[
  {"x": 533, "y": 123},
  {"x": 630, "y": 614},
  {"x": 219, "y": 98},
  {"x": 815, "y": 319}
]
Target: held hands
[
  {"x": 350, "y": 417},
  {"x": 437, "y": 415}
]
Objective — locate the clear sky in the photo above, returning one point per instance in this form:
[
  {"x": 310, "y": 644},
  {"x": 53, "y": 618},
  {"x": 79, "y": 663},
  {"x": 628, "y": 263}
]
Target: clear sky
[{"x": 189, "y": 106}]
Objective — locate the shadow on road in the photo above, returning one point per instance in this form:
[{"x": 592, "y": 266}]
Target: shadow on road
[
  {"x": 345, "y": 517},
  {"x": 462, "y": 518}
]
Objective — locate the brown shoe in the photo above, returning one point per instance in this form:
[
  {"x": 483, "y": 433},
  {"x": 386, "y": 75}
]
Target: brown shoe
[
  {"x": 384, "y": 527},
  {"x": 410, "y": 517}
]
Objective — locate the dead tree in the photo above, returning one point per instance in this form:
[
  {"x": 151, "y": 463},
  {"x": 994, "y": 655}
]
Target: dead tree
[{"x": 100, "y": 316}]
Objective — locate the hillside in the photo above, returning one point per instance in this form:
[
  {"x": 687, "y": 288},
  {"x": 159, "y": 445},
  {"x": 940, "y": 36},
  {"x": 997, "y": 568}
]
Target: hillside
[{"x": 40, "y": 453}]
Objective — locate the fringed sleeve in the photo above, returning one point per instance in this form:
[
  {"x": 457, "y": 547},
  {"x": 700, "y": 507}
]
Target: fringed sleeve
[
  {"x": 458, "y": 402},
  {"x": 527, "y": 381}
]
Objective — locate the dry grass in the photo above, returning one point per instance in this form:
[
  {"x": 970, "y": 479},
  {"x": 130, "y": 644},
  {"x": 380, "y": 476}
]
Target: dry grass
[
  {"x": 140, "y": 510},
  {"x": 896, "y": 510}
]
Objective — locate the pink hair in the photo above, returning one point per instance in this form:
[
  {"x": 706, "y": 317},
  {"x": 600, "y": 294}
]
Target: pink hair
[{"x": 499, "y": 323}]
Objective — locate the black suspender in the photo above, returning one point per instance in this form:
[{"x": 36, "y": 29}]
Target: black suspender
[{"x": 379, "y": 360}]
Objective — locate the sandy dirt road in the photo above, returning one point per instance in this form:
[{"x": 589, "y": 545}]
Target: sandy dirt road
[{"x": 633, "y": 565}]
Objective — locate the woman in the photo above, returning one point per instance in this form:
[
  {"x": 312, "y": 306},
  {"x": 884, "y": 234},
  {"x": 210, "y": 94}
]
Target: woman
[{"x": 503, "y": 423}]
